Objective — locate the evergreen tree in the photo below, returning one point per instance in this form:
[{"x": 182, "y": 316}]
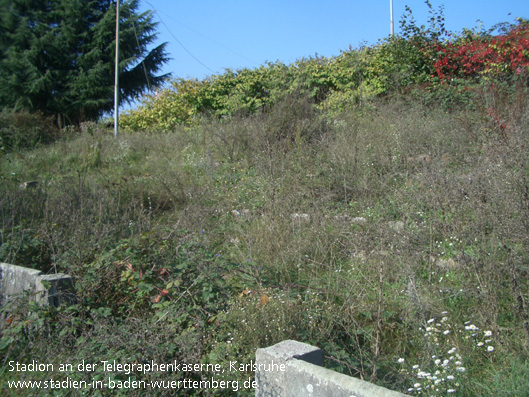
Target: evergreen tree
[{"x": 57, "y": 56}]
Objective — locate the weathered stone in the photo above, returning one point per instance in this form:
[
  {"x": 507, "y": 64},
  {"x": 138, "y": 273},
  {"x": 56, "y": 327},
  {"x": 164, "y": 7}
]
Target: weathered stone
[
  {"x": 446, "y": 264},
  {"x": 342, "y": 218},
  {"x": 29, "y": 184},
  {"x": 292, "y": 368},
  {"x": 47, "y": 289},
  {"x": 300, "y": 217},
  {"x": 359, "y": 220},
  {"x": 396, "y": 226},
  {"x": 241, "y": 213}
]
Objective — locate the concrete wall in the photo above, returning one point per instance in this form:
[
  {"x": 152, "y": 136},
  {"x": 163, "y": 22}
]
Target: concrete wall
[
  {"x": 292, "y": 368},
  {"x": 47, "y": 289}
]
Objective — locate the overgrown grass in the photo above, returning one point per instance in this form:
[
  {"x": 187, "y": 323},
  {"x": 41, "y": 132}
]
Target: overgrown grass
[{"x": 353, "y": 233}]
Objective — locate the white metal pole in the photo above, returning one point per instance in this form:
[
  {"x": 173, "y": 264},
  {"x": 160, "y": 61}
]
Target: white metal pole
[
  {"x": 116, "y": 77},
  {"x": 391, "y": 16}
]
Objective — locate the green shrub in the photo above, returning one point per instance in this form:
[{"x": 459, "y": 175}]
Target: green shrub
[
  {"x": 23, "y": 130},
  {"x": 24, "y": 247}
]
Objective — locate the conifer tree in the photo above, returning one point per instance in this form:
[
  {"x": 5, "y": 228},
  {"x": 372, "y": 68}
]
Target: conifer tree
[{"x": 57, "y": 56}]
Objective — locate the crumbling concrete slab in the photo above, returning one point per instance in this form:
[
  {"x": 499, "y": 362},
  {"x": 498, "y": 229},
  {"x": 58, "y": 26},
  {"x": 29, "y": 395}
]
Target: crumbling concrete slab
[
  {"x": 292, "y": 368},
  {"x": 46, "y": 289}
]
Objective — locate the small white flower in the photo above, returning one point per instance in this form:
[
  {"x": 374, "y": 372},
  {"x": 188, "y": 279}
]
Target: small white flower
[
  {"x": 446, "y": 332},
  {"x": 480, "y": 344},
  {"x": 461, "y": 369},
  {"x": 488, "y": 333},
  {"x": 450, "y": 377},
  {"x": 437, "y": 362},
  {"x": 415, "y": 366},
  {"x": 431, "y": 320},
  {"x": 490, "y": 348},
  {"x": 400, "y": 360},
  {"x": 450, "y": 391}
]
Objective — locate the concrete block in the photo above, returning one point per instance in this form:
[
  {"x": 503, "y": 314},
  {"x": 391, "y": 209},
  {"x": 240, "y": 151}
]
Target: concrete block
[
  {"x": 56, "y": 289},
  {"x": 297, "y": 372},
  {"x": 47, "y": 289}
]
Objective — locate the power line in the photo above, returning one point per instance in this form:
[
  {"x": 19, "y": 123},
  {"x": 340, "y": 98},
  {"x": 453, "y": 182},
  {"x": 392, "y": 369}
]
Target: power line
[
  {"x": 142, "y": 61},
  {"x": 204, "y": 36},
  {"x": 179, "y": 42}
]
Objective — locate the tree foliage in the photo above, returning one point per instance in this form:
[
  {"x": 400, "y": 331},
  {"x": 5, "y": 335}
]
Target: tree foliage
[
  {"x": 57, "y": 56},
  {"x": 424, "y": 60}
]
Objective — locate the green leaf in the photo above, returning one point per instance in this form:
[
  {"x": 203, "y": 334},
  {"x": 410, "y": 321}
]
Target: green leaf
[{"x": 5, "y": 342}]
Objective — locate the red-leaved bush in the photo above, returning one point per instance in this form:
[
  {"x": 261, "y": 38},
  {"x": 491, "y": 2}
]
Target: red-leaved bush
[{"x": 498, "y": 56}]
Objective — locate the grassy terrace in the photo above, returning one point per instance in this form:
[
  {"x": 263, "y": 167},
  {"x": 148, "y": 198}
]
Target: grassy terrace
[
  {"x": 374, "y": 204},
  {"x": 394, "y": 236}
]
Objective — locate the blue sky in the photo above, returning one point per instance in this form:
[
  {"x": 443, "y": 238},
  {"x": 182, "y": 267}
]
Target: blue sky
[{"x": 206, "y": 37}]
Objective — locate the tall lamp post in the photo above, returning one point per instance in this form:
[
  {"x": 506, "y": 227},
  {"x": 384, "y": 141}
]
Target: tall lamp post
[
  {"x": 116, "y": 77},
  {"x": 391, "y": 16}
]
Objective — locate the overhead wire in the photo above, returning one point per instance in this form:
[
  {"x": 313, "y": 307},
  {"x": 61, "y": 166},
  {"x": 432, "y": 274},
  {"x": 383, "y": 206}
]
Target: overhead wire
[
  {"x": 204, "y": 36},
  {"x": 142, "y": 61},
  {"x": 178, "y": 41}
]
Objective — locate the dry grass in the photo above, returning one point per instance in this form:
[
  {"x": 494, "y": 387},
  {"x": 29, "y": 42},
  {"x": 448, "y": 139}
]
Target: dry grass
[{"x": 358, "y": 230}]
